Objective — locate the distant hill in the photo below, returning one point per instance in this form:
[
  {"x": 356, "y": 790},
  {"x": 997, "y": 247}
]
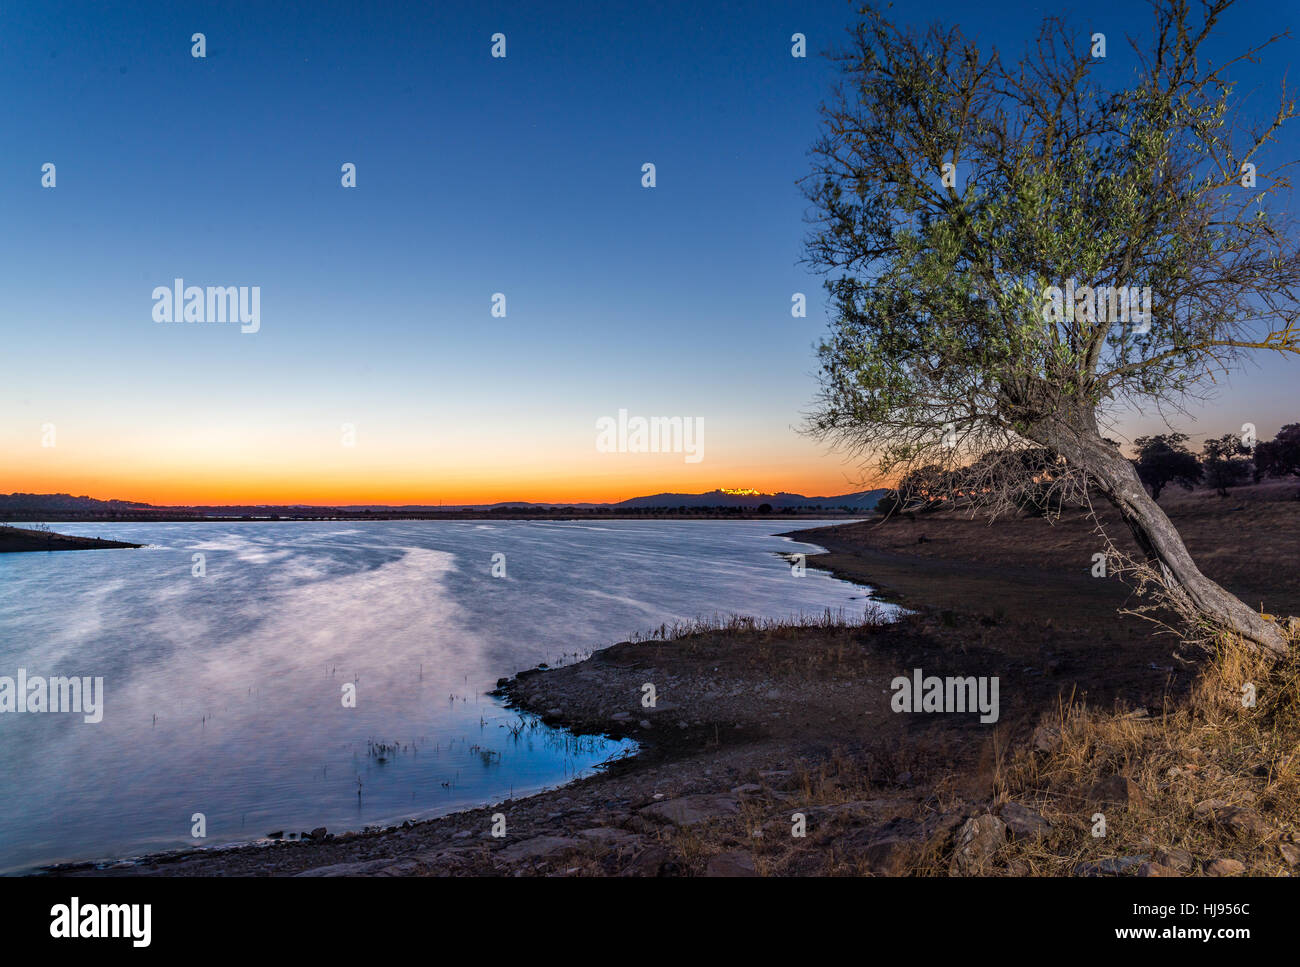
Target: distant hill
[
  {"x": 66, "y": 506},
  {"x": 44, "y": 502},
  {"x": 862, "y": 501}
]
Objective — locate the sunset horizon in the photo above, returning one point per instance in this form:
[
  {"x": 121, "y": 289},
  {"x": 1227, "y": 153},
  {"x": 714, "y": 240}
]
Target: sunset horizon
[{"x": 424, "y": 499}]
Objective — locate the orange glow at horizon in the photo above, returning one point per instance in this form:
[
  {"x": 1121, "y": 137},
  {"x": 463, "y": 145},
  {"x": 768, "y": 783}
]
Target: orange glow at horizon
[
  {"x": 164, "y": 490},
  {"x": 214, "y": 464}
]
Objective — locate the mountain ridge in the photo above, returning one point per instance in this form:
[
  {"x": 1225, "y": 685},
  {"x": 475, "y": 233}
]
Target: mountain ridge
[{"x": 27, "y": 504}]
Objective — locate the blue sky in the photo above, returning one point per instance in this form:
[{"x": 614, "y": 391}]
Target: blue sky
[{"x": 475, "y": 175}]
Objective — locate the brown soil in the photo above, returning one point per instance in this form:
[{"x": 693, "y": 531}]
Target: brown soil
[{"x": 1030, "y": 567}]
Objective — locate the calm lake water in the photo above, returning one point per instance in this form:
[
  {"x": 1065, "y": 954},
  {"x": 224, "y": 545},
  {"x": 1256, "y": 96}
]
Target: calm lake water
[{"x": 223, "y": 694}]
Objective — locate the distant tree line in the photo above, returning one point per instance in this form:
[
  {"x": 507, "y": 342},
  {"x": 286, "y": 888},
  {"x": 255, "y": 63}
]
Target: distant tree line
[{"x": 1223, "y": 462}]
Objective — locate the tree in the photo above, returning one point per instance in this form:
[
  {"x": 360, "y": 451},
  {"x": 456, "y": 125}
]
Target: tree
[
  {"x": 926, "y": 487},
  {"x": 1280, "y": 457},
  {"x": 888, "y": 503},
  {"x": 1164, "y": 459},
  {"x": 1227, "y": 462},
  {"x": 950, "y": 335},
  {"x": 1031, "y": 478}
]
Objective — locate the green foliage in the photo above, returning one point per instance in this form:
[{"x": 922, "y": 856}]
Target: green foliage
[{"x": 1063, "y": 172}]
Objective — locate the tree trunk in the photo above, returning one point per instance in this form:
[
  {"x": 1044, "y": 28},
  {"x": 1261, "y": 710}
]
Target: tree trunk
[{"x": 1156, "y": 534}]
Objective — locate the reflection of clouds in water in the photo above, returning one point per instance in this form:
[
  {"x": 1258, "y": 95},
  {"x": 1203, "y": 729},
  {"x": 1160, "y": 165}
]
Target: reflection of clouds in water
[
  {"x": 621, "y": 598},
  {"x": 380, "y": 620},
  {"x": 87, "y": 615}
]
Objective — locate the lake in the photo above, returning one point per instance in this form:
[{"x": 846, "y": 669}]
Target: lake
[{"x": 226, "y": 691}]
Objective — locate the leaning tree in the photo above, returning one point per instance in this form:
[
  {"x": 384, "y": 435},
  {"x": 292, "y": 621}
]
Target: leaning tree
[{"x": 986, "y": 228}]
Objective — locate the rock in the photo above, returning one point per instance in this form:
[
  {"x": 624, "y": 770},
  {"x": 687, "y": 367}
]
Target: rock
[
  {"x": 364, "y": 868},
  {"x": 611, "y": 837},
  {"x": 889, "y": 856},
  {"x": 621, "y": 716},
  {"x": 1239, "y": 819},
  {"x": 748, "y": 789},
  {"x": 731, "y": 864},
  {"x": 1108, "y": 867},
  {"x": 938, "y": 830},
  {"x": 1206, "y": 808},
  {"x": 1045, "y": 739},
  {"x": 1224, "y": 867},
  {"x": 641, "y": 824},
  {"x": 1116, "y": 791},
  {"x": 689, "y": 810},
  {"x": 979, "y": 838},
  {"x": 1178, "y": 859},
  {"x": 1023, "y": 822},
  {"x": 405, "y": 868},
  {"x": 1290, "y": 853},
  {"x": 819, "y": 816},
  {"x": 649, "y": 862},
  {"x": 1245, "y": 822},
  {"x": 644, "y": 723},
  {"x": 535, "y": 848},
  {"x": 319, "y": 833},
  {"x": 1155, "y": 869}
]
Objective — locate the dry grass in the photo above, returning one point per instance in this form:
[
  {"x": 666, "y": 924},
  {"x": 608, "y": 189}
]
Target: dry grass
[
  {"x": 1211, "y": 747},
  {"x": 871, "y": 616}
]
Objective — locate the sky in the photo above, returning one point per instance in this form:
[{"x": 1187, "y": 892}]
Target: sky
[{"x": 378, "y": 373}]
